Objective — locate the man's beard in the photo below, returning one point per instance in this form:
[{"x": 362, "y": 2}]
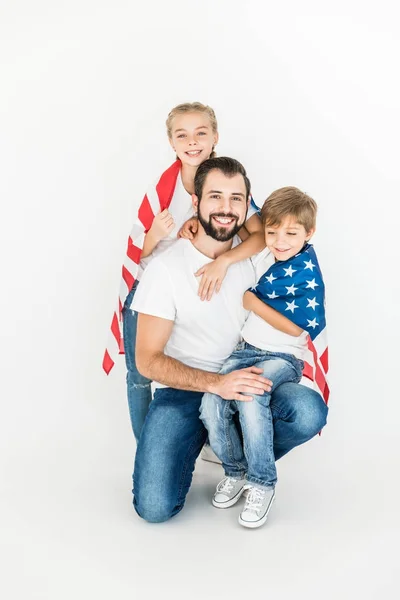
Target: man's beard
[{"x": 220, "y": 234}]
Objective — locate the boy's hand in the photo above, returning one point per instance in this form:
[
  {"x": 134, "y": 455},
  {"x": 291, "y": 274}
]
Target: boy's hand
[
  {"x": 162, "y": 225},
  {"x": 235, "y": 385},
  {"x": 189, "y": 229},
  {"x": 213, "y": 276}
]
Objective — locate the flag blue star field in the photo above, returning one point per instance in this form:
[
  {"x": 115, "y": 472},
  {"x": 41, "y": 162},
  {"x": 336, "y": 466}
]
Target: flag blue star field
[{"x": 295, "y": 288}]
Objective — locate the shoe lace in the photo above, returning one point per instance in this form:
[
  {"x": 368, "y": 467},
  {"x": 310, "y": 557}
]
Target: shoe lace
[
  {"x": 226, "y": 485},
  {"x": 254, "y": 499}
]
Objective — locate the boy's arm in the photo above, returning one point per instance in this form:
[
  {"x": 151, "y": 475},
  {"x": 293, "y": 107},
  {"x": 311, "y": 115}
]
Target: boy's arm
[
  {"x": 270, "y": 315},
  {"x": 152, "y": 336},
  {"x": 252, "y": 244}
]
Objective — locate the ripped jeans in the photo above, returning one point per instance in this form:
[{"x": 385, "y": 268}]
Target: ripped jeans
[
  {"x": 253, "y": 457},
  {"x": 138, "y": 387}
]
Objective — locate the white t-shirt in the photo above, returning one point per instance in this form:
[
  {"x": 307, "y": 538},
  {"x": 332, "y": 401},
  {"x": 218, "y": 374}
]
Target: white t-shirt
[
  {"x": 204, "y": 332},
  {"x": 181, "y": 209}
]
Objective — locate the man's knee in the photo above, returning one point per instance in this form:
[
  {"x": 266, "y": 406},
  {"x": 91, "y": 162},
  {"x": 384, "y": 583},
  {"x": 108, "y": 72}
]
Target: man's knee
[
  {"x": 155, "y": 511},
  {"x": 310, "y": 416},
  {"x": 300, "y": 407}
]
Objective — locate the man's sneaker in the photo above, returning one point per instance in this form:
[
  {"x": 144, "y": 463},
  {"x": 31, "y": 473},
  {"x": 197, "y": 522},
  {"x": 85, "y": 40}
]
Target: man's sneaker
[
  {"x": 256, "y": 509},
  {"x": 208, "y": 454},
  {"x": 228, "y": 492}
]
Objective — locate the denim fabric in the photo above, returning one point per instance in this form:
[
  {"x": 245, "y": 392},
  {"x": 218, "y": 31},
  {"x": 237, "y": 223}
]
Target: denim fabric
[
  {"x": 171, "y": 440},
  {"x": 253, "y": 457},
  {"x": 138, "y": 387},
  {"x": 173, "y": 435}
]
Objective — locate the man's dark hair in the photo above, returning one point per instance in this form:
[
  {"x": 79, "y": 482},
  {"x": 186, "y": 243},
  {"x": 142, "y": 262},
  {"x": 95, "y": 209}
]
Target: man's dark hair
[{"x": 227, "y": 166}]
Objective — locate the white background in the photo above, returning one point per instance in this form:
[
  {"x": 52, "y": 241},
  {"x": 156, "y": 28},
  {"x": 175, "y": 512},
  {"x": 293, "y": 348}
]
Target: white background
[{"x": 306, "y": 94}]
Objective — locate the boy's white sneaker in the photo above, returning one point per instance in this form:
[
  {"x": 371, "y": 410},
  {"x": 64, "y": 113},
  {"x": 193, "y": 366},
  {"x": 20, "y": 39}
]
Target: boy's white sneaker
[
  {"x": 228, "y": 492},
  {"x": 257, "y": 507}
]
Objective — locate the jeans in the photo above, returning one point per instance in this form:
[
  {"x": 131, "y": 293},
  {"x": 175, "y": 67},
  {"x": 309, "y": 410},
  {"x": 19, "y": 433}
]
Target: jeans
[
  {"x": 252, "y": 455},
  {"x": 138, "y": 387},
  {"x": 173, "y": 436}
]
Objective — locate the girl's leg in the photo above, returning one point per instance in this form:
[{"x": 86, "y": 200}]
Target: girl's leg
[{"x": 138, "y": 387}]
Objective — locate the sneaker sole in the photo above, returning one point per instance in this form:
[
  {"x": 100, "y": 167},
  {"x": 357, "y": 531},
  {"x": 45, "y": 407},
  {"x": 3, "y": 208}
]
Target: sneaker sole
[
  {"x": 230, "y": 502},
  {"x": 260, "y": 522}
]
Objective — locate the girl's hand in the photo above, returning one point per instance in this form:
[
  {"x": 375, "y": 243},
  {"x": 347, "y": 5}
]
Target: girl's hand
[
  {"x": 189, "y": 229},
  {"x": 213, "y": 276},
  {"x": 162, "y": 225}
]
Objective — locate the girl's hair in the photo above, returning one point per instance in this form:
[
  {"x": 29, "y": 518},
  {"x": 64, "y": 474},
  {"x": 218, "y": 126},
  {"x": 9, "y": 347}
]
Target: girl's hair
[
  {"x": 289, "y": 202},
  {"x": 190, "y": 107}
]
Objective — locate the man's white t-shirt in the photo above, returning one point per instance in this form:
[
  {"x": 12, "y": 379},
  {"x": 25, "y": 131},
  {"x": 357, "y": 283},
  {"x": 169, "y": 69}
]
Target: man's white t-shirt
[
  {"x": 181, "y": 209},
  {"x": 204, "y": 333}
]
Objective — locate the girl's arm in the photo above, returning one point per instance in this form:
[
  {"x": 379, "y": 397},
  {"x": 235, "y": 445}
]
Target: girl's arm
[
  {"x": 213, "y": 273},
  {"x": 162, "y": 224},
  {"x": 270, "y": 315}
]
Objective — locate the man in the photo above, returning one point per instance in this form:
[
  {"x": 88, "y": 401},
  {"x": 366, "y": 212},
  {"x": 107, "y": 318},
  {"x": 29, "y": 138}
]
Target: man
[{"x": 183, "y": 342}]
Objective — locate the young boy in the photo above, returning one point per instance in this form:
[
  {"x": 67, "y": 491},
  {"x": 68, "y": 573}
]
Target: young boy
[{"x": 287, "y": 310}]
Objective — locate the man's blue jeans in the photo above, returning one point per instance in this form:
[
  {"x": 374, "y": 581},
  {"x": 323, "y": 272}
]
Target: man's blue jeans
[
  {"x": 173, "y": 435},
  {"x": 138, "y": 387},
  {"x": 253, "y": 457}
]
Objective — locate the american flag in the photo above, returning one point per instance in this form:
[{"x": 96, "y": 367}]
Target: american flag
[
  {"x": 157, "y": 199},
  {"x": 295, "y": 288}
]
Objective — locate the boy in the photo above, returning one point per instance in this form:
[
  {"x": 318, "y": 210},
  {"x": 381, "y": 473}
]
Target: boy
[{"x": 287, "y": 310}]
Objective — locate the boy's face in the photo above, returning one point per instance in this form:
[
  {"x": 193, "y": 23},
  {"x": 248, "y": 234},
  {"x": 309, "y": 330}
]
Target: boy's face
[{"x": 287, "y": 239}]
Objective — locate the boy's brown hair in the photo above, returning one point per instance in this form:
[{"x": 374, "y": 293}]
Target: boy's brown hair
[{"x": 289, "y": 201}]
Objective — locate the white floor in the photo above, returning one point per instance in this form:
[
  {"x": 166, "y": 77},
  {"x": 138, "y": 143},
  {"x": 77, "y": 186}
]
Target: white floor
[{"x": 69, "y": 530}]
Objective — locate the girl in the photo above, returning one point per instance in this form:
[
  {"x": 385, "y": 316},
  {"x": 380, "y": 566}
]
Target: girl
[{"x": 193, "y": 134}]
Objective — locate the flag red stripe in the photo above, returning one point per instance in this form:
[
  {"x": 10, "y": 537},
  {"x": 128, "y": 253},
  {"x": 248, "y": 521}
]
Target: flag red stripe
[
  {"x": 324, "y": 360},
  {"x": 145, "y": 214},
  {"x": 108, "y": 362},
  {"x": 115, "y": 329},
  {"x": 128, "y": 278},
  {"x": 308, "y": 371},
  {"x": 166, "y": 185},
  {"x": 133, "y": 251}
]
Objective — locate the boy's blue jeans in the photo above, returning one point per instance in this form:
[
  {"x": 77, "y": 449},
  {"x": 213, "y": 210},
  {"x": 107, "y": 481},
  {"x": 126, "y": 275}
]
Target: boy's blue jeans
[
  {"x": 138, "y": 387},
  {"x": 253, "y": 458}
]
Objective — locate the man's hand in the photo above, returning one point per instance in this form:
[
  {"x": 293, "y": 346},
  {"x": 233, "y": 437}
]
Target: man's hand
[
  {"x": 235, "y": 385},
  {"x": 162, "y": 225},
  {"x": 189, "y": 229}
]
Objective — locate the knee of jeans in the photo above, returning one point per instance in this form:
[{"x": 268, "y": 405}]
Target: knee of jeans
[
  {"x": 156, "y": 512},
  {"x": 311, "y": 418},
  {"x": 209, "y": 409}
]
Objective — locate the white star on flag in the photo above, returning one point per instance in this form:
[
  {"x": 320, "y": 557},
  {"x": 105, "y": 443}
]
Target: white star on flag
[
  {"x": 273, "y": 295},
  {"x": 291, "y": 289},
  {"x": 312, "y": 303},
  {"x": 309, "y": 264},
  {"x": 270, "y": 278},
  {"x": 312, "y": 323},
  {"x": 311, "y": 284},
  {"x": 289, "y": 272},
  {"x": 291, "y": 306}
]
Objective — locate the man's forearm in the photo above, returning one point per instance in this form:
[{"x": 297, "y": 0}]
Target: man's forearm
[{"x": 175, "y": 374}]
